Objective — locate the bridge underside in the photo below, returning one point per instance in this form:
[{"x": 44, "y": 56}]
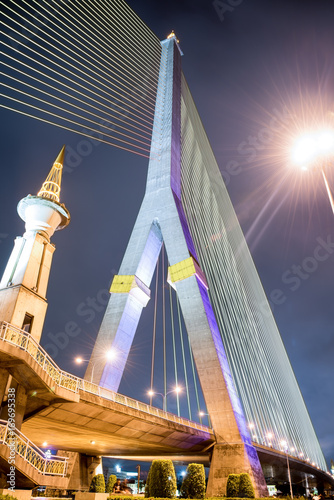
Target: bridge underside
[
  {"x": 91, "y": 425},
  {"x": 100, "y": 427},
  {"x": 274, "y": 465},
  {"x": 72, "y": 421}
]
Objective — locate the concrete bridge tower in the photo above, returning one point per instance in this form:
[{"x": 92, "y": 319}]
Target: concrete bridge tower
[{"x": 162, "y": 219}]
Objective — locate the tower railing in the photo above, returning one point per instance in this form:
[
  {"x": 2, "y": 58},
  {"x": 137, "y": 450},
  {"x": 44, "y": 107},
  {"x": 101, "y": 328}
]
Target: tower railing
[
  {"x": 14, "y": 439},
  {"x": 15, "y": 336}
]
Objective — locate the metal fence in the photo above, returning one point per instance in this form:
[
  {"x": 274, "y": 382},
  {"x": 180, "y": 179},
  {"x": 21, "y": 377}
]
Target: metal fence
[
  {"x": 18, "y": 442},
  {"x": 15, "y": 336}
]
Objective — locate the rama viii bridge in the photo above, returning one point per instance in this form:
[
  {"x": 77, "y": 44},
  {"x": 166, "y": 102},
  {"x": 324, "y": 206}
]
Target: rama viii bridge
[{"x": 93, "y": 67}]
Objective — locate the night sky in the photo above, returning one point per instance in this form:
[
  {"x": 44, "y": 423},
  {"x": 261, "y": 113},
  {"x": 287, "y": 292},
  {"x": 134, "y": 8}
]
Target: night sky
[{"x": 260, "y": 73}]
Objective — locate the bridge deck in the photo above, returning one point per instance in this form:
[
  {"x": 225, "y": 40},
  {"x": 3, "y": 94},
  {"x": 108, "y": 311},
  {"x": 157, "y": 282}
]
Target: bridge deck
[
  {"x": 69, "y": 412},
  {"x": 72, "y": 414}
]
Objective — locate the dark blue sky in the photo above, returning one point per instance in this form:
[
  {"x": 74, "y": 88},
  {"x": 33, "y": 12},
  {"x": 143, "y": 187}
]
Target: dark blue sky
[{"x": 258, "y": 76}]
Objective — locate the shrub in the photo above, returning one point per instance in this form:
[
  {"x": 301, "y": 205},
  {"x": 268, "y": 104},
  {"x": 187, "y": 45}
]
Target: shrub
[
  {"x": 232, "y": 486},
  {"x": 162, "y": 480},
  {"x": 98, "y": 484},
  {"x": 111, "y": 483},
  {"x": 246, "y": 489},
  {"x": 147, "y": 485},
  {"x": 7, "y": 497},
  {"x": 193, "y": 485}
]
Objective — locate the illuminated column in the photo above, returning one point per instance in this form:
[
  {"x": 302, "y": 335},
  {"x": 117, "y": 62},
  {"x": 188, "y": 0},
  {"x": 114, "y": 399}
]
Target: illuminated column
[
  {"x": 24, "y": 283},
  {"x": 161, "y": 218}
]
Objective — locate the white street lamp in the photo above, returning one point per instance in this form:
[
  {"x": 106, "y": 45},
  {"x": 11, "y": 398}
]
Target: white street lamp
[
  {"x": 284, "y": 445},
  {"x": 203, "y": 414},
  {"x": 152, "y": 393},
  {"x": 110, "y": 355},
  {"x": 314, "y": 150},
  {"x": 269, "y": 436}
]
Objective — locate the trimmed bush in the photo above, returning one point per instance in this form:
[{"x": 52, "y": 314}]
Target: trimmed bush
[
  {"x": 7, "y": 497},
  {"x": 246, "y": 489},
  {"x": 111, "y": 483},
  {"x": 161, "y": 480},
  {"x": 98, "y": 484},
  {"x": 193, "y": 485},
  {"x": 147, "y": 485},
  {"x": 232, "y": 486}
]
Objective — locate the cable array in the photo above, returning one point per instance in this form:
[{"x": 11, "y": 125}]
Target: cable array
[
  {"x": 266, "y": 384},
  {"x": 172, "y": 364},
  {"x": 87, "y": 66}
]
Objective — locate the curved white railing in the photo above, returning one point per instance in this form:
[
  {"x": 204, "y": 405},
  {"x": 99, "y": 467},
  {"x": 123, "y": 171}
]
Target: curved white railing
[
  {"x": 13, "y": 335},
  {"x": 15, "y": 440}
]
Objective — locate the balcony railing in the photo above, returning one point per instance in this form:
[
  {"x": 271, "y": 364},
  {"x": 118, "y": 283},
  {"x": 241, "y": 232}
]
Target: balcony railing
[
  {"x": 15, "y": 336},
  {"x": 50, "y": 466}
]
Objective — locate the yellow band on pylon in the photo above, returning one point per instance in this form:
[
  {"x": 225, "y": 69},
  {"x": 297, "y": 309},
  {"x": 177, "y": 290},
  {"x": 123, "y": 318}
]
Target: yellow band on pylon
[
  {"x": 185, "y": 269},
  {"x": 122, "y": 283},
  {"x": 182, "y": 270}
]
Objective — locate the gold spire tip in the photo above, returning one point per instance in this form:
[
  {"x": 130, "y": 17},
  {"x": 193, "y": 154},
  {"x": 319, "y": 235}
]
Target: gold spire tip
[
  {"x": 60, "y": 157},
  {"x": 51, "y": 187},
  {"x": 172, "y": 35}
]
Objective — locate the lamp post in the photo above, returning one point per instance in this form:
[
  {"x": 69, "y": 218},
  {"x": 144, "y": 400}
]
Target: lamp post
[
  {"x": 313, "y": 150},
  {"x": 284, "y": 444},
  {"x": 138, "y": 469},
  {"x": 109, "y": 355},
  {"x": 269, "y": 437},
  {"x": 203, "y": 414},
  {"x": 152, "y": 393}
]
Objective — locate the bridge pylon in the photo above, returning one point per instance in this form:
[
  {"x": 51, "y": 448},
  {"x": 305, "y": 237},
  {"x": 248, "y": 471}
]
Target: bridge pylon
[{"x": 162, "y": 219}]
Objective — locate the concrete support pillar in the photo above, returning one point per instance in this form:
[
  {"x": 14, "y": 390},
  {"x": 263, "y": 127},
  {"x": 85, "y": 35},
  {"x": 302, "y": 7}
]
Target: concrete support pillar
[
  {"x": 234, "y": 459},
  {"x": 20, "y": 406},
  {"x": 4, "y": 375},
  {"x": 81, "y": 469}
]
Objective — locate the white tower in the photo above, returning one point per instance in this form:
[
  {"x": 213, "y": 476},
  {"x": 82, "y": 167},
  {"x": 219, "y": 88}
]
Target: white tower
[{"x": 24, "y": 283}]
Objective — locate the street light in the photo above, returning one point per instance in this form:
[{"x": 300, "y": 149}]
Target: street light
[
  {"x": 203, "y": 414},
  {"x": 314, "y": 149},
  {"x": 269, "y": 437},
  {"x": 284, "y": 445},
  {"x": 152, "y": 393},
  {"x": 109, "y": 355}
]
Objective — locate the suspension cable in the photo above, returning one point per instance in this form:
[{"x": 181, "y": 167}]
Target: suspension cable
[
  {"x": 174, "y": 347},
  {"x": 154, "y": 328}
]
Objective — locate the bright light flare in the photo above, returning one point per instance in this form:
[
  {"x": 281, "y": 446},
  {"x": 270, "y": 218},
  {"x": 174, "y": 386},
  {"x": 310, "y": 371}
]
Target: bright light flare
[
  {"x": 79, "y": 360},
  {"x": 312, "y": 147},
  {"x": 304, "y": 150},
  {"x": 325, "y": 141},
  {"x": 111, "y": 354},
  {"x": 284, "y": 444}
]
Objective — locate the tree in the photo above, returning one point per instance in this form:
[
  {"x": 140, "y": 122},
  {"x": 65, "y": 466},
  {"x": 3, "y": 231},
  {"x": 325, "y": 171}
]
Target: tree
[
  {"x": 111, "y": 483},
  {"x": 161, "y": 481},
  {"x": 232, "y": 486},
  {"x": 193, "y": 485},
  {"x": 98, "y": 484},
  {"x": 246, "y": 489}
]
